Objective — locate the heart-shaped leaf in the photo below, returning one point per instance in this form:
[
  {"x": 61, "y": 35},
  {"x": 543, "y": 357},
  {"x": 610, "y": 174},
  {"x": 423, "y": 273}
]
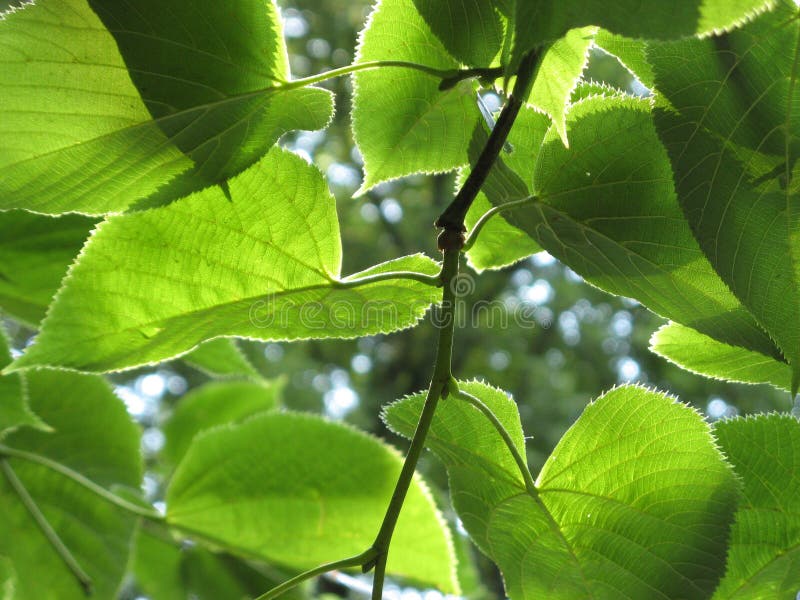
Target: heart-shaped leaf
[
  {"x": 260, "y": 261},
  {"x": 311, "y": 491},
  {"x": 634, "y": 502}
]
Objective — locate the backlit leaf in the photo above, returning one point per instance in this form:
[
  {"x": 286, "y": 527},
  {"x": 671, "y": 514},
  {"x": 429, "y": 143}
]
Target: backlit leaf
[
  {"x": 35, "y": 252},
  {"x": 402, "y": 122},
  {"x": 607, "y": 208},
  {"x": 93, "y": 435},
  {"x": 472, "y": 32},
  {"x": 169, "y": 94},
  {"x": 734, "y": 141},
  {"x": 263, "y": 264},
  {"x": 699, "y": 353},
  {"x": 311, "y": 491},
  {"x": 14, "y": 410},
  {"x": 558, "y": 73},
  {"x": 610, "y": 518},
  {"x": 216, "y": 403},
  {"x": 540, "y": 21},
  {"x": 220, "y": 358},
  {"x": 764, "y": 551}
]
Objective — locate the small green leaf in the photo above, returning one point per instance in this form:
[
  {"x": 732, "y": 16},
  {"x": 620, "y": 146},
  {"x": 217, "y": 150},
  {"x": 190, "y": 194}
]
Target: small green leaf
[
  {"x": 35, "y": 252},
  {"x": 764, "y": 550},
  {"x": 610, "y": 518},
  {"x": 540, "y": 21},
  {"x": 631, "y": 53},
  {"x": 701, "y": 354},
  {"x": 261, "y": 262},
  {"x": 402, "y": 122},
  {"x": 14, "y": 410},
  {"x": 503, "y": 240},
  {"x": 216, "y": 403},
  {"x": 733, "y": 142},
  {"x": 140, "y": 108},
  {"x": 310, "y": 492},
  {"x": 220, "y": 358},
  {"x": 93, "y": 435},
  {"x": 560, "y": 69}
]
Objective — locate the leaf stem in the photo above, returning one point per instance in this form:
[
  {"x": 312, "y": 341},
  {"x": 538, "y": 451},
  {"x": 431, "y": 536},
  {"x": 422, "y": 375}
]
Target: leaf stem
[
  {"x": 153, "y": 515},
  {"x": 432, "y": 280},
  {"x": 44, "y": 525},
  {"x": 449, "y": 77},
  {"x": 453, "y": 216},
  {"x": 530, "y": 486},
  {"x": 438, "y": 388},
  {"x": 353, "y": 561},
  {"x": 476, "y": 229}
]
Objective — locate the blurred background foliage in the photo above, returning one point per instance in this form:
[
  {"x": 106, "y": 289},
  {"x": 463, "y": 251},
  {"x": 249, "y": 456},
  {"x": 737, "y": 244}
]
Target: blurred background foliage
[{"x": 581, "y": 342}]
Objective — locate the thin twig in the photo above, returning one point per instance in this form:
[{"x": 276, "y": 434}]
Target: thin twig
[
  {"x": 453, "y": 216},
  {"x": 44, "y": 525},
  {"x": 142, "y": 511}
]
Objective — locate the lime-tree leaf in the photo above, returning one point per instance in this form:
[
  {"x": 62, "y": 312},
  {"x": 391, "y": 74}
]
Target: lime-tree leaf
[
  {"x": 701, "y": 354},
  {"x": 734, "y": 142},
  {"x": 606, "y": 207},
  {"x": 166, "y": 570},
  {"x": 261, "y": 262},
  {"x": 764, "y": 551},
  {"x": 480, "y": 468},
  {"x": 503, "y": 239},
  {"x": 310, "y": 492},
  {"x": 631, "y": 54},
  {"x": 35, "y": 252},
  {"x": 609, "y": 518},
  {"x": 472, "y": 32},
  {"x": 402, "y": 122},
  {"x": 558, "y": 73},
  {"x": 94, "y": 436},
  {"x": 14, "y": 409},
  {"x": 179, "y": 96},
  {"x": 215, "y": 403},
  {"x": 220, "y": 358},
  {"x": 540, "y": 21}
]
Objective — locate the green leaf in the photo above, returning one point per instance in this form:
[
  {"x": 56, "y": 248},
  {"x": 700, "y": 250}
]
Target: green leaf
[
  {"x": 540, "y": 21},
  {"x": 35, "y": 252},
  {"x": 480, "y": 467},
  {"x": 220, "y": 358},
  {"x": 472, "y": 32},
  {"x": 216, "y": 403},
  {"x": 607, "y": 208},
  {"x": 764, "y": 551},
  {"x": 14, "y": 410},
  {"x": 560, "y": 69},
  {"x": 263, "y": 262},
  {"x": 733, "y": 142},
  {"x": 94, "y": 436},
  {"x": 310, "y": 492},
  {"x": 610, "y": 518},
  {"x": 141, "y": 107},
  {"x": 402, "y": 122},
  {"x": 701, "y": 354},
  {"x": 165, "y": 570},
  {"x": 503, "y": 240},
  {"x": 631, "y": 54}
]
